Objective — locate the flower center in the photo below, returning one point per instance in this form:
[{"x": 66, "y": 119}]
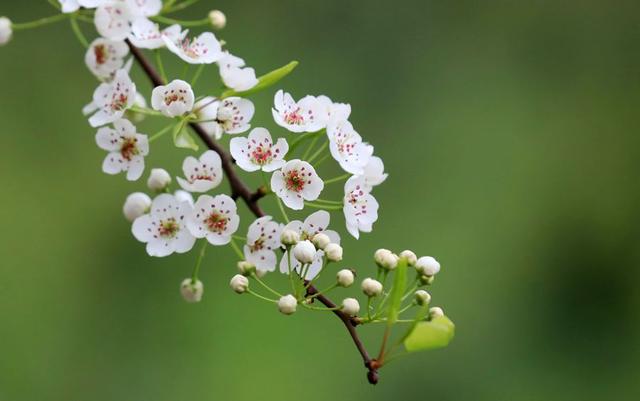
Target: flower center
[
  {"x": 258, "y": 245},
  {"x": 129, "y": 148},
  {"x": 225, "y": 113},
  {"x": 294, "y": 181},
  {"x": 216, "y": 222},
  {"x": 100, "y": 53},
  {"x": 119, "y": 102},
  {"x": 168, "y": 228},
  {"x": 261, "y": 155},
  {"x": 294, "y": 117},
  {"x": 171, "y": 97}
]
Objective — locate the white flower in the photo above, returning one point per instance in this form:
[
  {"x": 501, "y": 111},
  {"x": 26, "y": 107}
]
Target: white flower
[
  {"x": 371, "y": 287},
  {"x": 347, "y": 148},
  {"x": 287, "y": 304},
  {"x": 6, "y": 32},
  {"x": 69, "y": 6},
  {"x": 234, "y": 74},
  {"x": 385, "y": 259},
  {"x": 360, "y": 207},
  {"x": 313, "y": 226},
  {"x": 258, "y": 152},
  {"x": 146, "y": 34},
  {"x": 201, "y": 175},
  {"x": 373, "y": 172},
  {"x": 263, "y": 238},
  {"x": 345, "y": 278},
  {"x": 183, "y": 196},
  {"x": 296, "y": 182},
  {"x": 217, "y": 19},
  {"x": 205, "y": 49},
  {"x": 410, "y": 257},
  {"x": 144, "y": 8},
  {"x": 164, "y": 229},
  {"x": 174, "y": 99},
  {"x": 214, "y": 218},
  {"x": 435, "y": 312},
  {"x": 113, "y": 20},
  {"x": 239, "y": 283},
  {"x": 245, "y": 268},
  {"x": 321, "y": 240},
  {"x": 350, "y": 306},
  {"x": 333, "y": 252},
  {"x": 191, "y": 291},
  {"x": 428, "y": 266},
  {"x": 112, "y": 99},
  {"x": 289, "y": 237},
  {"x": 422, "y": 297},
  {"x": 126, "y": 149},
  {"x": 136, "y": 205},
  {"x": 159, "y": 179},
  {"x": 306, "y": 115},
  {"x": 335, "y": 112},
  {"x": 304, "y": 252},
  {"x": 231, "y": 115}
]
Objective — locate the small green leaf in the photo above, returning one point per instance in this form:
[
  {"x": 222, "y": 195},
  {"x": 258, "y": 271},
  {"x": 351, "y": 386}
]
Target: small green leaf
[
  {"x": 397, "y": 291},
  {"x": 264, "y": 81},
  {"x": 182, "y": 138},
  {"x": 430, "y": 335}
]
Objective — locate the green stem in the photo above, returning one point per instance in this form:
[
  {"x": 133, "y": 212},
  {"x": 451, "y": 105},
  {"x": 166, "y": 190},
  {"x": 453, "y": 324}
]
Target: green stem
[
  {"x": 180, "y": 6},
  {"x": 262, "y": 283},
  {"x": 310, "y": 147},
  {"x": 78, "y": 32},
  {"x": 161, "y": 132},
  {"x": 196, "y": 76},
  {"x": 236, "y": 249},
  {"x": 239, "y": 238},
  {"x": 196, "y": 269},
  {"x": 337, "y": 179},
  {"x": 339, "y": 203},
  {"x": 322, "y": 159},
  {"x": 323, "y": 207},
  {"x": 318, "y": 152},
  {"x": 148, "y": 112},
  {"x": 319, "y": 308},
  {"x": 293, "y": 284},
  {"x": 160, "y": 65},
  {"x": 171, "y": 21},
  {"x": 329, "y": 288},
  {"x": 282, "y": 210},
  {"x": 55, "y": 4},
  {"x": 261, "y": 297},
  {"x": 38, "y": 23}
]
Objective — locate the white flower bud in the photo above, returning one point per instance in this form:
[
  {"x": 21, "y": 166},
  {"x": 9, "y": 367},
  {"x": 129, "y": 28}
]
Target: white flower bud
[
  {"x": 350, "y": 306},
  {"x": 371, "y": 287},
  {"x": 158, "y": 179},
  {"x": 422, "y": 297},
  {"x": 304, "y": 252},
  {"x": 239, "y": 283},
  {"x": 435, "y": 312},
  {"x": 289, "y": 237},
  {"x": 409, "y": 256},
  {"x": 287, "y": 304},
  {"x": 428, "y": 266},
  {"x": 6, "y": 32},
  {"x": 183, "y": 196},
  {"x": 261, "y": 273},
  {"x": 217, "y": 19},
  {"x": 345, "y": 278},
  {"x": 321, "y": 240},
  {"x": 333, "y": 252},
  {"x": 386, "y": 259},
  {"x": 136, "y": 205},
  {"x": 246, "y": 268},
  {"x": 191, "y": 292}
]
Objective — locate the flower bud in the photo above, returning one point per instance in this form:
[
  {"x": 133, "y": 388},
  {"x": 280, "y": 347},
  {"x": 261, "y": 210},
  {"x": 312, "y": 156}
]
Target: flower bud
[
  {"x": 287, "y": 304},
  {"x": 333, "y": 252},
  {"x": 239, "y": 283},
  {"x": 350, "y": 306},
  {"x": 371, "y": 287},
  {"x": 289, "y": 237},
  {"x": 217, "y": 19},
  {"x": 422, "y": 297},
  {"x": 245, "y": 268},
  {"x": 136, "y": 205},
  {"x": 321, "y": 240},
  {"x": 345, "y": 278},
  {"x": 409, "y": 256},
  {"x": 435, "y": 312},
  {"x": 304, "y": 252},
  {"x": 158, "y": 179},
  {"x": 6, "y": 32},
  {"x": 385, "y": 259},
  {"x": 191, "y": 292},
  {"x": 183, "y": 196},
  {"x": 428, "y": 266}
]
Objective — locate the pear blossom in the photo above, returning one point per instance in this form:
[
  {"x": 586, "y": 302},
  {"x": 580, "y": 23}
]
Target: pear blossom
[
  {"x": 314, "y": 225},
  {"x": 164, "y": 228},
  {"x": 136, "y": 205},
  {"x": 335, "y": 112},
  {"x": 263, "y": 238},
  {"x": 231, "y": 115},
  {"x": 201, "y": 174},
  {"x": 144, "y": 8},
  {"x": 214, "y": 218},
  {"x": 126, "y": 149},
  {"x": 373, "y": 172},
  {"x": 146, "y": 34},
  {"x": 113, "y": 20},
  {"x": 205, "y": 49},
  {"x": 235, "y": 74},
  {"x": 70, "y": 6},
  {"x": 183, "y": 196},
  {"x": 112, "y": 99},
  {"x": 104, "y": 57},
  {"x": 6, "y": 32},
  {"x": 306, "y": 115},
  {"x": 347, "y": 148},
  {"x": 360, "y": 207},
  {"x": 258, "y": 152},
  {"x": 296, "y": 182},
  {"x": 174, "y": 99}
]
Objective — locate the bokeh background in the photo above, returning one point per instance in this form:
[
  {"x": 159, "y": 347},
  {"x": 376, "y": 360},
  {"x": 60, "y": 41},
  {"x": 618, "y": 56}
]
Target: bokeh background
[{"x": 510, "y": 132}]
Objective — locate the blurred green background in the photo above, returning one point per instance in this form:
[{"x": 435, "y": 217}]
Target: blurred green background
[{"x": 510, "y": 132}]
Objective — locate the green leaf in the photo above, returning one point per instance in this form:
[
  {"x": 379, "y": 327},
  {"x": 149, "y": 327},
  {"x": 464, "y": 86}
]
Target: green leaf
[
  {"x": 182, "y": 138},
  {"x": 397, "y": 291},
  {"x": 430, "y": 335},
  {"x": 264, "y": 81}
]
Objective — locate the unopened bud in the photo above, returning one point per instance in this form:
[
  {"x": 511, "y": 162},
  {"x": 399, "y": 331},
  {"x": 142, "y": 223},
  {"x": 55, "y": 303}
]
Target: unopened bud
[
  {"x": 158, "y": 179},
  {"x": 350, "y": 306},
  {"x": 6, "y": 32},
  {"x": 422, "y": 297},
  {"x": 333, "y": 252},
  {"x": 428, "y": 266},
  {"x": 345, "y": 278},
  {"x": 245, "y": 268},
  {"x": 289, "y": 237},
  {"x": 371, "y": 287},
  {"x": 287, "y": 304},
  {"x": 385, "y": 259},
  {"x": 409, "y": 256},
  {"x": 191, "y": 291},
  {"x": 136, "y": 205},
  {"x": 321, "y": 240},
  {"x": 435, "y": 312},
  {"x": 217, "y": 19},
  {"x": 304, "y": 252},
  {"x": 239, "y": 283},
  {"x": 183, "y": 196}
]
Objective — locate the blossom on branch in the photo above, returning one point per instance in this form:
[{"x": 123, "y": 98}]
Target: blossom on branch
[
  {"x": 258, "y": 152},
  {"x": 235, "y": 74},
  {"x": 296, "y": 182},
  {"x": 126, "y": 148},
  {"x": 263, "y": 239},
  {"x": 201, "y": 174},
  {"x": 214, "y": 218},
  {"x": 173, "y": 100},
  {"x": 112, "y": 99},
  {"x": 360, "y": 207},
  {"x": 306, "y": 115},
  {"x": 146, "y": 34},
  {"x": 205, "y": 49},
  {"x": 347, "y": 147},
  {"x": 231, "y": 115},
  {"x": 104, "y": 57}
]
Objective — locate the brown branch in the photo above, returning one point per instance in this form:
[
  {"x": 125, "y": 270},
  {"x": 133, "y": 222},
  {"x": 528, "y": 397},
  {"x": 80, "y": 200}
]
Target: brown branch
[{"x": 240, "y": 190}]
